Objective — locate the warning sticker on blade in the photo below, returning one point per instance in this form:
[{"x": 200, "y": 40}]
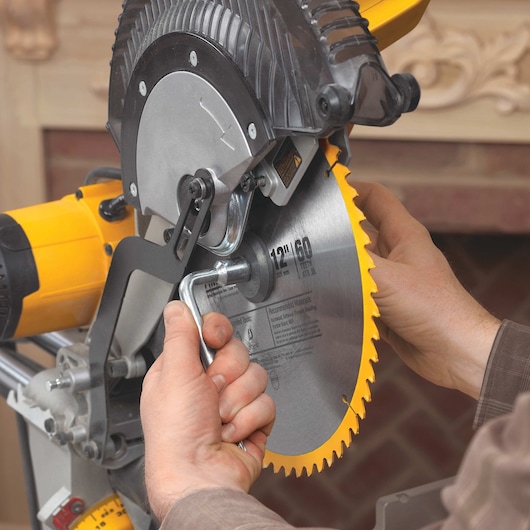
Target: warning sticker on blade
[
  {"x": 294, "y": 321},
  {"x": 280, "y": 331},
  {"x": 287, "y": 161}
]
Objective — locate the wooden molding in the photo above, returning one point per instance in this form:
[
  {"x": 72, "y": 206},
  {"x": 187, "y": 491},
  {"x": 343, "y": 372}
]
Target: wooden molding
[
  {"x": 457, "y": 67},
  {"x": 472, "y": 60},
  {"x": 29, "y": 28}
]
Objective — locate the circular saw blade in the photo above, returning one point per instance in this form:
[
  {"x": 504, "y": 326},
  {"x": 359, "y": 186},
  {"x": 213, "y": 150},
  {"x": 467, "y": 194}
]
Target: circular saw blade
[{"x": 314, "y": 334}]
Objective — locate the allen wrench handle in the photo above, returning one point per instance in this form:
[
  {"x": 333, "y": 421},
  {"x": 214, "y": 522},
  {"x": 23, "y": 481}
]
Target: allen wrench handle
[{"x": 225, "y": 272}]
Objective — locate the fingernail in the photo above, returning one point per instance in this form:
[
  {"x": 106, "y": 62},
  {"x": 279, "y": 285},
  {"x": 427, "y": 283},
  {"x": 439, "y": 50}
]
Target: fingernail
[
  {"x": 173, "y": 310},
  {"x": 227, "y": 432},
  {"x": 225, "y": 409},
  {"x": 222, "y": 335},
  {"x": 219, "y": 381}
]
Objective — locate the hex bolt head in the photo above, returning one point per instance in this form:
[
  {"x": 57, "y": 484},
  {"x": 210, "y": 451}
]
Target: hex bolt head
[{"x": 133, "y": 189}]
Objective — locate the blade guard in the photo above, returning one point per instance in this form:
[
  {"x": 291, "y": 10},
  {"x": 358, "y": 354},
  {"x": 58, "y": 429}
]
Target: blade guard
[{"x": 312, "y": 66}]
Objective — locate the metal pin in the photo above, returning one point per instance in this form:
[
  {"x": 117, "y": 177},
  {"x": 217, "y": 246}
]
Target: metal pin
[{"x": 57, "y": 384}]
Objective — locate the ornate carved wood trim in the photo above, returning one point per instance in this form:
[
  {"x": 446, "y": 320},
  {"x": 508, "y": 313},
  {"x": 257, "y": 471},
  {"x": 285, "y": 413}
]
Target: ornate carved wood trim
[
  {"x": 472, "y": 59},
  {"x": 29, "y": 28},
  {"x": 456, "y": 67}
]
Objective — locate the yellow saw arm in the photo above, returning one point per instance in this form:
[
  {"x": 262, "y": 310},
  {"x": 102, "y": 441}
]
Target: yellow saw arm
[{"x": 392, "y": 19}]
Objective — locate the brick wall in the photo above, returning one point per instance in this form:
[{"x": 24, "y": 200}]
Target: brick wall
[
  {"x": 453, "y": 187},
  {"x": 414, "y": 432}
]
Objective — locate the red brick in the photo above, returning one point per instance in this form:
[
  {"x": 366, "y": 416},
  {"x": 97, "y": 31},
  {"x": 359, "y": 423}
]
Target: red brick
[
  {"x": 487, "y": 252},
  {"x": 65, "y": 180},
  {"x": 70, "y": 155},
  {"x": 388, "y": 402},
  {"x": 462, "y": 208},
  {"x": 416, "y": 156},
  {"x": 80, "y": 144},
  {"x": 502, "y": 160},
  {"x": 511, "y": 287},
  {"x": 431, "y": 441},
  {"x": 384, "y": 461},
  {"x": 451, "y": 405},
  {"x": 454, "y": 248}
]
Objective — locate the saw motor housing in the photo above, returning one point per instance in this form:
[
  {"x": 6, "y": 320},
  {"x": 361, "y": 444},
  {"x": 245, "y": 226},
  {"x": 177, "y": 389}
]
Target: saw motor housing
[{"x": 219, "y": 109}]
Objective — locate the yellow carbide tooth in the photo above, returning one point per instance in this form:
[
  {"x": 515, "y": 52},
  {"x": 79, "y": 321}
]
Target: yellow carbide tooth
[{"x": 334, "y": 447}]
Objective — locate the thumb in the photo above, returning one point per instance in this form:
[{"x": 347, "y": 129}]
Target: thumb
[{"x": 181, "y": 342}]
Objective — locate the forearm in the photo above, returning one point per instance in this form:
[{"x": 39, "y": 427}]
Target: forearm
[{"x": 507, "y": 372}]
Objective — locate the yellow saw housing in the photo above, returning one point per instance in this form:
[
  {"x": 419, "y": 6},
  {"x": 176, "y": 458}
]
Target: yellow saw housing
[{"x": 55, "y": 258}]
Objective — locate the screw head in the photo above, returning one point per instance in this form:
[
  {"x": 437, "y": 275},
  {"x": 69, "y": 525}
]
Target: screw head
[
  {"x": 194, "y": 60},
  {"x": 77, "y": 507},
  {"x": 142, "y": 88},
  {"x": 252, "y": 131},
  {"x": 133, "y": 189}
]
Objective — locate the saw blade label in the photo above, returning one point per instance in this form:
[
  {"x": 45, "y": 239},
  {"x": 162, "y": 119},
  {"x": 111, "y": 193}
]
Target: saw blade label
[
  {"x": 302, "y": 252},
  {"x": 289, "y": 322}
]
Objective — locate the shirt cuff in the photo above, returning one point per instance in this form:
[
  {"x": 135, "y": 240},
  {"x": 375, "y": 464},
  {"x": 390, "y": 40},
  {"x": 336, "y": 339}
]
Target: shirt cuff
[{"x": 507, "y": 372}]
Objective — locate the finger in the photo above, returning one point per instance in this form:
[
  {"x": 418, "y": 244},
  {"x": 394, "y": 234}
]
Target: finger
[
  {"x": 231, "y": 361},
  {"x": 242, "y": 391},
  {"x": 258, "y": 415},
  {"x": 373, "y": 236},
  {"x": 180, "y": 357},
  {"x": 387, "y": 214},
  {"x": 217, "y": 330},
  {"x": 377, "y": 203}
]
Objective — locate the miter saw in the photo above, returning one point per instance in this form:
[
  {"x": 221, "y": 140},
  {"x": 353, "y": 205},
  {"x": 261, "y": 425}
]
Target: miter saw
[{"x": 232, "y": 118}]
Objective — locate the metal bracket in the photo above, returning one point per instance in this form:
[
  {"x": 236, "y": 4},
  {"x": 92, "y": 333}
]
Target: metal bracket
[{"x": 413, "y": 508}]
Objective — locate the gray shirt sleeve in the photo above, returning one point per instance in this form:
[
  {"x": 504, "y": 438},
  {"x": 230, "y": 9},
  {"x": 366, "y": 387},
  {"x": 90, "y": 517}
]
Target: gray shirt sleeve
[
  {"x": 507, "y": 372},
  {"x": 222, "y": 509}
]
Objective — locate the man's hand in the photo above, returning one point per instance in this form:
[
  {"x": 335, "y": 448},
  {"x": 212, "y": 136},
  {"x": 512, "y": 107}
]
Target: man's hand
[
  {"x": 192, "y": 419},
  {"x": 429, "y": 319}
]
